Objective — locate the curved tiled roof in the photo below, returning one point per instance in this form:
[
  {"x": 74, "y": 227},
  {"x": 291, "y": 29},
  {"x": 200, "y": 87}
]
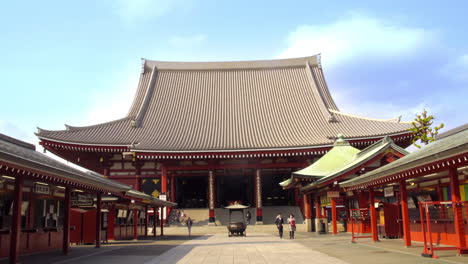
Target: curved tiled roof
[{"x": 229, "y": 106}]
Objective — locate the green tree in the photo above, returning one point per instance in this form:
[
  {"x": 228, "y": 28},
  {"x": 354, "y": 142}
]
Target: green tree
[{"x": 422, "y": 129}]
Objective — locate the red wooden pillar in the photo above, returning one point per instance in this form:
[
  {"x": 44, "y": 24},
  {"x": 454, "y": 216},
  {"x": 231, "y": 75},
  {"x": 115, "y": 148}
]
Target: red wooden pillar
[
  {"x": 111, "y": 223},
  {"x": 373, "y": 215},
  {"x": 173, "y": 194},
  {"x": 161, "y": 222},
  {"x": 66, "y": 221},
  {"x": 98, "y": 219},
  {"x": 211, "y": 198},
  {"x": 440, "y": 193},
  {"x": 318, "y": 208},
  {"x": 135, "y": 224},
  {"x": 457, "y": 210},
  {"x": 155, "y": 220},
  {"x": 163, "y": 179},
  {"x": 146, "y": 221},
  {"x": 307, "y": 213},
  {"x": 306, "y": 198},
  {"x": 16, "y": 220},
  {"x": 258, "y": 196},
  {"x": 138, "y": 176},
  {"x": 334, "y": 216},
  {"x": 163, "y": 189},
  {"x": 405, "y": 214}
]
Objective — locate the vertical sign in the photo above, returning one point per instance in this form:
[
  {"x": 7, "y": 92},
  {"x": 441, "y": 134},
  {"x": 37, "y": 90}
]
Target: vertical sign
[{"x": 163, "y": 214}]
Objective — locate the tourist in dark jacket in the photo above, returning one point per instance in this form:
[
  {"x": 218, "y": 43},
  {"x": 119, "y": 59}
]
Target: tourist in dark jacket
[
  {"x": 189, "y": 223},
  {"x": 279, "y": 224}
]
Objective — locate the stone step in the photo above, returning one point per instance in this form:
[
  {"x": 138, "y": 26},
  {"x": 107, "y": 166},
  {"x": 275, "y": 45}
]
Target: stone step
[
  {"x": 200, "y": 216},
  {"x": 182, "y": 230}
]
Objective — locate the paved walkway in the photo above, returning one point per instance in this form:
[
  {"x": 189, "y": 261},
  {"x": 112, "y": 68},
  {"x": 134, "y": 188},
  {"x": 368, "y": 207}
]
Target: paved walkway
[{"x": 257, "y": 248}]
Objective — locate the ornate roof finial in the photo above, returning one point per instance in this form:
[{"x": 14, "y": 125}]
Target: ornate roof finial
[{"x": 340, "y": 141}]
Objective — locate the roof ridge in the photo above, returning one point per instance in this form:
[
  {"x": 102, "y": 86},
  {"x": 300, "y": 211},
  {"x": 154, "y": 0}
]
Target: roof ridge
[
  {"x": 391, "y": 120},
  {"x": 321, "y": 100},
  {"x": 136, "y": 122},
  {"x": 218, "y": 65}
]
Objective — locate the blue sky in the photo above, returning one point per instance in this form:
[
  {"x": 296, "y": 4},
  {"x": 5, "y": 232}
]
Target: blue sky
[{"x": 78, "y": 62}]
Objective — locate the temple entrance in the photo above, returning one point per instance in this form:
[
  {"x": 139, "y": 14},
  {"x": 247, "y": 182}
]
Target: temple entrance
[
  {"x": 192, "y": 191},
  {"x": 234, "y": 185},
  {"x": 272, "y": 193}
]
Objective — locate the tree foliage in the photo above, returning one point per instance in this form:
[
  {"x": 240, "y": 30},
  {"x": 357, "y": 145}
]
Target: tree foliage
[{"x": 422, "y": 129}]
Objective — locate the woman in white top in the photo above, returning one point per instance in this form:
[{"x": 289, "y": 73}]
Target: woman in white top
[{"x": 292, "y": 226}]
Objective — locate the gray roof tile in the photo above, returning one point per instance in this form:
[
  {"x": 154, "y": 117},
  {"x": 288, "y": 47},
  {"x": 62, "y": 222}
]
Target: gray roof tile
[{"x": 230, "y": 106}]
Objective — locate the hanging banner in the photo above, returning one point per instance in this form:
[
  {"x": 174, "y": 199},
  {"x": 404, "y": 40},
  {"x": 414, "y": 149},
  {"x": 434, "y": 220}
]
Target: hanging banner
[{"x": 388, "y": 191}]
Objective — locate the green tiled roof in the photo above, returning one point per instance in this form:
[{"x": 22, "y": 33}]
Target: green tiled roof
[
  {"x": 446, "y": 147},
  {"x": 358, "y": 159},
  {"x": 341, "y": 154}
]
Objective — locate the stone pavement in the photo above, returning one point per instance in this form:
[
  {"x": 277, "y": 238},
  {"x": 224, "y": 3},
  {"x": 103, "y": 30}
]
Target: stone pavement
[{"x": 256, "y": 248}]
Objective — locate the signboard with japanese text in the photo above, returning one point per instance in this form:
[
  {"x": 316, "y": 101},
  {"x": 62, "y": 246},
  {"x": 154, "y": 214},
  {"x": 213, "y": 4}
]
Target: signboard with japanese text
[
  {"x": 333, "y": 194},
  {"x": 81, "y": 200},
  {"x": 388, "y": 191},
  {"x": 42, "y": 189}
]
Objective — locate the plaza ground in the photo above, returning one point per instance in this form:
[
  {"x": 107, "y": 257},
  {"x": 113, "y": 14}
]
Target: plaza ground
[{"x": 262, "y": 245}]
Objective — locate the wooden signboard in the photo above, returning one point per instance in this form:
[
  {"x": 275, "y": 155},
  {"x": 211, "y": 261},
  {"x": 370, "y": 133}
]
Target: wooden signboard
[
  {"x": 81, "y": 200},
  {"x": 333, "y": 194},
  {"x": 42, "y": 189},
  {"x": 388, "y": 191}
]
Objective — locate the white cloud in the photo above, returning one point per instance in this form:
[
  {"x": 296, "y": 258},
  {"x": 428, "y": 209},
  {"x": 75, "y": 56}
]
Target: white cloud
[
  {"x": 187, "y": 41},
  {"x": 131, "y": 11},
  {"x": 354, "y": 37}
]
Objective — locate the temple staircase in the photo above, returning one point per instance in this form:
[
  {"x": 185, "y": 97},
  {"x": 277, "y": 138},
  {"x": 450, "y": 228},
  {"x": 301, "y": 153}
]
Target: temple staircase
[{"x": 200, "y": 215}]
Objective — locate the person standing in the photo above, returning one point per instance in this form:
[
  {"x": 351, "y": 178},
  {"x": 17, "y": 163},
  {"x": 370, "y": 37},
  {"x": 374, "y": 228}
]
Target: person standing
[
  {"x": 248, "y": 216},
  {"x": 189, "y": 223},
  {"x": 292, "y": 226},
  {"x": 279, "y": 224}
]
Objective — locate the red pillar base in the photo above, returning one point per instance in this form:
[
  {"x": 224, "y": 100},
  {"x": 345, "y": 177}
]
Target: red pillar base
[
  {"x": 259, "y": 216},
  {"x": 212, "y": 219}
]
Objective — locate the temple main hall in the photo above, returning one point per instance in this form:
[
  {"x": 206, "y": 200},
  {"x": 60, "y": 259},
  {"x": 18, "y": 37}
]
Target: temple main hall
[{"x": 210, "y": 134}]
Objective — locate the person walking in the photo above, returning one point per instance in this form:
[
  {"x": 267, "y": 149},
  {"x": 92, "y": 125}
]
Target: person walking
[
  {"x": 248, "y": 216},
  {"x": 292, "y": 226},
  {"x": 279, "y": 224},
  {"x": 189, "y": 223}
]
